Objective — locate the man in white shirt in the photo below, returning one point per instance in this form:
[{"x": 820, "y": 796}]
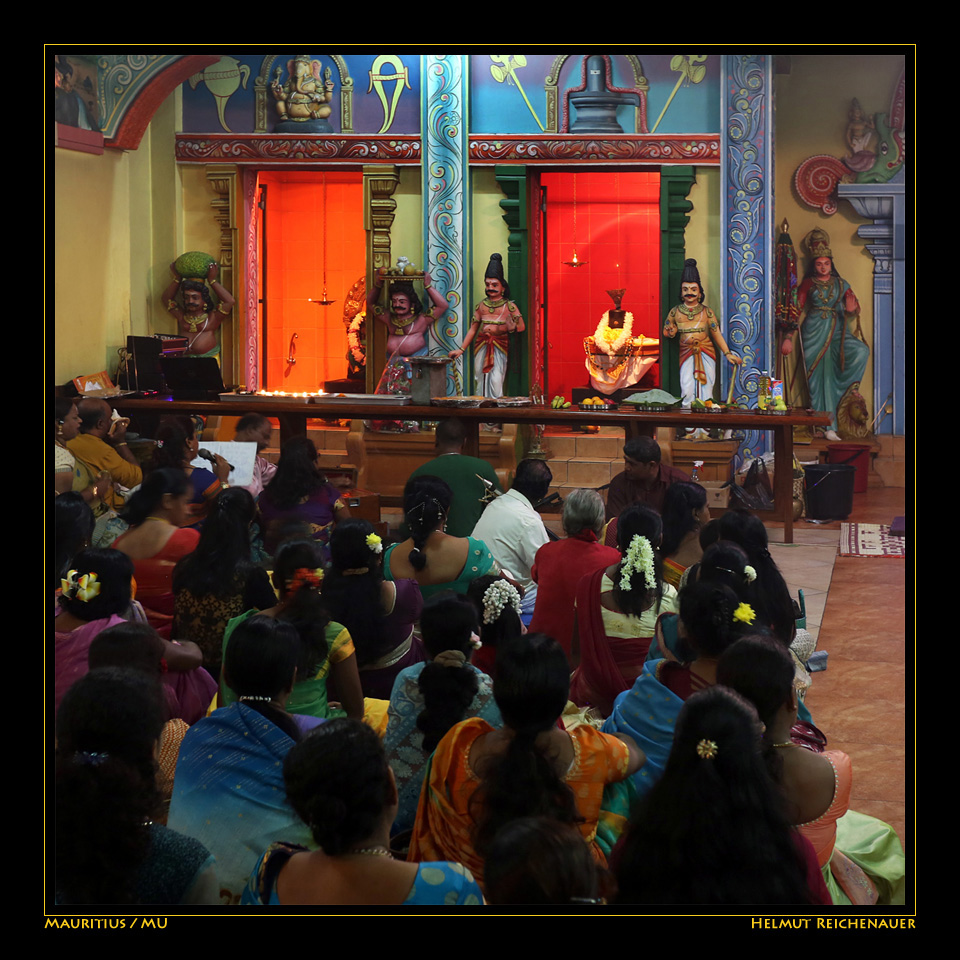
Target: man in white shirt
[{"x": 513, "y": 531}]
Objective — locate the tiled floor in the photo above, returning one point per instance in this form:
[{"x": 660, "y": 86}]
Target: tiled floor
[{"x": 860, "y": 610}]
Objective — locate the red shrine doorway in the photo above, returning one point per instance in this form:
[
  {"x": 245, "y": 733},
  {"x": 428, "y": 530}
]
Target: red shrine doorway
[
  {"x": 312, "y": 248},
  {"x": 611, "y": 221}
]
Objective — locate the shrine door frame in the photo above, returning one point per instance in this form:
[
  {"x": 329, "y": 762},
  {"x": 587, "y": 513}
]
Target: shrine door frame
[{"x": 541, "y": 266}]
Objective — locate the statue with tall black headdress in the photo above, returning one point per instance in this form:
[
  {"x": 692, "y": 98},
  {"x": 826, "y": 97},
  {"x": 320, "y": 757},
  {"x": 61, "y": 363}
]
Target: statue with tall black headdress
[
  {"x": 494, "y": 319},
  {"x": 699, "y": 337}
]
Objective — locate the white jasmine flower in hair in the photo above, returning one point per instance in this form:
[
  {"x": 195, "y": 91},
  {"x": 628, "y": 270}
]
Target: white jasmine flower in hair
[
  {"x": 496, "y": 597},
  {"x": 749, "y": 573},
  {"x": 639, "y": 557}
]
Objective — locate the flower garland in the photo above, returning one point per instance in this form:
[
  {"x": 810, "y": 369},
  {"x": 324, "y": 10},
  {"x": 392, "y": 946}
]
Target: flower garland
[
  {"x": 609, "y": 339},
  {"x": 639, "y": 557},
  {"x": 496, "y": 597},
  {"x": 353, "y": 339}
]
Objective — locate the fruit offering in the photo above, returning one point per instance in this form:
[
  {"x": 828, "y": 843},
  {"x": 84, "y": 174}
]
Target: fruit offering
[
  {"x": 193, "y": 265},
  {"x": 559, "y": 403}
]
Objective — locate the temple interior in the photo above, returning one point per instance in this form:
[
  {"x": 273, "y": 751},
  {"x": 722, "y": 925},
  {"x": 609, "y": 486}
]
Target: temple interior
[{"x": 598, "y": 180}]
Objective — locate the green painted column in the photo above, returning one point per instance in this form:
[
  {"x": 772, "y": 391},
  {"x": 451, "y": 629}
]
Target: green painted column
[
  {"x": 513, "y": 182},
  {"x": 675, "y": 185}
]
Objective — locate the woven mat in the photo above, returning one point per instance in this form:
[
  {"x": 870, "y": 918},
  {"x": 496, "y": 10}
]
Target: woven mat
[{"x": 870, "y": 540}]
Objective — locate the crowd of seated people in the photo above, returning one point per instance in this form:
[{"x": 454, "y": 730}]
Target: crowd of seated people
[{"x": 346, "y": 721}]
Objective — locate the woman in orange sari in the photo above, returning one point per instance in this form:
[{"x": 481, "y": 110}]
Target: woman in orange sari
[{"x": 480, "y": 778}]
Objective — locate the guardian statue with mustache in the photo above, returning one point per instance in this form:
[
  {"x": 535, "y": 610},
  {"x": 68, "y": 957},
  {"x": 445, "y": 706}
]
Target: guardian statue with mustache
[{"x": 496, "y": 316}]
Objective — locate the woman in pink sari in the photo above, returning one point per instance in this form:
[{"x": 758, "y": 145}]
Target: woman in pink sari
[
  {"x": 95, "y": 592},
  {"x": 617, "y": 610}
]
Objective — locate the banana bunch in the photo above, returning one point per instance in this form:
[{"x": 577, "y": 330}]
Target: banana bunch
[{"x": 559, "y": 403}]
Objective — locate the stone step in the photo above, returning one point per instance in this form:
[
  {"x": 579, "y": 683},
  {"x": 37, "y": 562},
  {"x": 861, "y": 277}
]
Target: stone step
[
  {"x": 326, "y": 437},
  {"x": 583, "y": 472},
  {"x": 590, "y": 445},
  {"x": 558, "y": 467},
  {"x": 564, "y": 489},
  {"x": 561, "y": 446}
]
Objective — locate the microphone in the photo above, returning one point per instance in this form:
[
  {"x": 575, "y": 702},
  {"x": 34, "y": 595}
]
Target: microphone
[{"x": 207, "y": 455}]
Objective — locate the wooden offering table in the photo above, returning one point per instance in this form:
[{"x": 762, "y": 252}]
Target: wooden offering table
[{"x": 293, "y": 417}]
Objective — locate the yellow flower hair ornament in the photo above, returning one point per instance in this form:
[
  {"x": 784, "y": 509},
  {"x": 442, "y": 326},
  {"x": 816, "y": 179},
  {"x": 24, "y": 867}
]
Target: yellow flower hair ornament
[
  {"x": 375, "y": 543},
  {"x": 707, "y": 749},
  {"x": 83, "y": 588},
  {"x": 744, "y": 614}
]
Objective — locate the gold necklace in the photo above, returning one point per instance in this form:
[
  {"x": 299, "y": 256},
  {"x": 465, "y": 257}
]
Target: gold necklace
[
  {"x": 378, "y": 851},
  {"x": 194, "y": 323}
]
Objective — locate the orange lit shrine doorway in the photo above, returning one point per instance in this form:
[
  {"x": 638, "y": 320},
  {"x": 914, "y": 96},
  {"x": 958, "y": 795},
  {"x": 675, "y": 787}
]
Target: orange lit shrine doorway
[
  {"x": 313, "y": 248},
  {"x": 612, "y": 221}
]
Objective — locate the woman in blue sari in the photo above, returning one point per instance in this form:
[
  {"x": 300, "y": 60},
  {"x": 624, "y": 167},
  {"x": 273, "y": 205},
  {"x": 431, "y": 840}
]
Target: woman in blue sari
[
  {"x": 711, "y": 618},
  {"x": 228, "y": 788},
  {"x": 177, "y": 448},
  {"x": 338, "y": 781}
]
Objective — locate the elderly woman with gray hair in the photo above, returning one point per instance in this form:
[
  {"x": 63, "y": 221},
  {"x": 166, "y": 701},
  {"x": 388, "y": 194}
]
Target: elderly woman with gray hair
[{"x": 561, "y": 564}]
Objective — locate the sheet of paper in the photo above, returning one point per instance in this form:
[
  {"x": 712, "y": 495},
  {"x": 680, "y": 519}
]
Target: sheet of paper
[{"x": 241, "y": 455}]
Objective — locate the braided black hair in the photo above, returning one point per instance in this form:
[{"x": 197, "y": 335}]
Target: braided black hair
[{"x": 426, "y": 503}]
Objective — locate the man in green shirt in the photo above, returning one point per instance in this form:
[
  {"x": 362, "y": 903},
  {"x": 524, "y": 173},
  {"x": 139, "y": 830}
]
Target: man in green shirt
[{"x": 460, "y": 472}]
